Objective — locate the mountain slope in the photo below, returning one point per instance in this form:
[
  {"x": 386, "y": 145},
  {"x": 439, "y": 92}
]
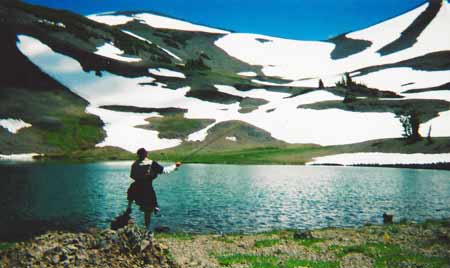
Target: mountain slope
[
  {"x": 135, "y": 69},
  {"x": 58, "y": 118}
]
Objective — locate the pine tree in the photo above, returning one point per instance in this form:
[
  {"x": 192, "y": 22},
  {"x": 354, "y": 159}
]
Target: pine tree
[{"x": 321, "y": 84}]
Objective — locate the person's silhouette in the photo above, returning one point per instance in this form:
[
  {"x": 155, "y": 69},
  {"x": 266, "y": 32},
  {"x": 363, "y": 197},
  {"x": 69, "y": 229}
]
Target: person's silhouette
[{"x": 143, "y": 172}]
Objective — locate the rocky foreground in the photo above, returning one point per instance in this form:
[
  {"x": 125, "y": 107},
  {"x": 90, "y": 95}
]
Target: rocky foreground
[
  {"x": 130, "y": 247},
  {"x": 398, "y": 245}
]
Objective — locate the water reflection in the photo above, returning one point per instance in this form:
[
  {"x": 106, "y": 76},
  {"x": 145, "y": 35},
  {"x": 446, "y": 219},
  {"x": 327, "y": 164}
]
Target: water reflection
[{"x": 225, "y": 198}]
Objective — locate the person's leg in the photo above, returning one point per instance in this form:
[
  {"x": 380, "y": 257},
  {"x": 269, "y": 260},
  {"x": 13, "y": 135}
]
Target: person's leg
[
  {"x": 131, "y": 196},
  {"x": 147, "y": 217},
  {"x": 155, "y": 200},
  {"x": 130, "y": 202}
]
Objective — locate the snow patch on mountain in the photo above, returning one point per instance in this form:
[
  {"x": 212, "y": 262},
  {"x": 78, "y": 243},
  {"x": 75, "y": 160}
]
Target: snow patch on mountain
[
  {"x": 52, "y": 23},
  {"x": 380, "y": 159},
  {"x": 137, "y": 36},
  {"x": 306, "y": 62},
  {"x": 150, "y": 42},
  {"x": 157, "y": 21},
  {"x": 110, "y": 51},
  {"x": 248, "y": 74},
  {"x": 403, "y": 78},
  {"x": 286, "y": 58},
  {"x": 121, "y": 131},
  {"x": 166, "y": 72},
  {"x": 18, "y": 157},
  {"x": 110, "y": 19},
  {"x": 440, "y": 126},
  {"x": 13, "y": 125},
  {"x": 154, "y": 21},
  {"x": 386, "y": 32},
  {"x": 171, "y": 53},
  {"x": 201, "y": 134}
]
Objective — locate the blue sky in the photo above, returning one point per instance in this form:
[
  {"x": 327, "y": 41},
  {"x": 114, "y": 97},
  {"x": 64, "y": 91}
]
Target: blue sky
[{"x": 296, "y": 19}]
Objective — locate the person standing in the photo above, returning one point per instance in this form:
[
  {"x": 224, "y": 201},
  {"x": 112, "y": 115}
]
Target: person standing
[{"x": 143, "y": 172}]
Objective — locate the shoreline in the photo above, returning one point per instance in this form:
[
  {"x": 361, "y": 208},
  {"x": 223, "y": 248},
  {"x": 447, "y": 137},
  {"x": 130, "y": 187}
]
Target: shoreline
[
  {"x": 425, "y": 244},
  {"x": 383, "y": 153},
  {"x": 419, "y": 166}
]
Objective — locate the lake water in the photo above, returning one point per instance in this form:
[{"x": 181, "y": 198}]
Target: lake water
[{"x": 35, "y": 197}]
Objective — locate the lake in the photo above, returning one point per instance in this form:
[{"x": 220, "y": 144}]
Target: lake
[{"x": 36, "y": 197}]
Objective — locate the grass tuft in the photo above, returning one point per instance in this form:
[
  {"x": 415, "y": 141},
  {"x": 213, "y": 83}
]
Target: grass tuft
[
  {"x": 292, "y": 263},
  {"x": 6, "y": 246},
  {"x": 386, "y": 256},
  {"x": 266, "y": 243},
  {"x": 251, "y": 260},
  {"x": 309, "y": 242},
  {"x": 176, "y": 236}
]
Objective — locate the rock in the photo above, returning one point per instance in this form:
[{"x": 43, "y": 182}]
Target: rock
[
  {"x": 163, "y": 247},
  {"x": 144, "y": 244},
  {"x": 146, "y": 260},
  {"x": 300, "y": 235},
  {"x": 162, "y": 229},
  {"x": 55, "y": 259},
  {"x": 388, "y": 218}
]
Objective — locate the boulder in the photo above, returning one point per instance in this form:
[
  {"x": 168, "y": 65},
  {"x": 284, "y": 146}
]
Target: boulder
[{"x": 301, "y": 235}]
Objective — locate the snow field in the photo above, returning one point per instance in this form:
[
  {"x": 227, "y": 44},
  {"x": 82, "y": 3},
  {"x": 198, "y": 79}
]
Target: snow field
[
  {"x": 13, "y": 125},
  {"x": 18, "y": 157},
  {"x": 166, "y": 72},
  {"x": 110, "y": 51},
  {"x": 296, "y": 60},
  {"x": 380, "y": 158},
  {"x": 154, "y": 21},
  {"x": 248, "y": 74}
]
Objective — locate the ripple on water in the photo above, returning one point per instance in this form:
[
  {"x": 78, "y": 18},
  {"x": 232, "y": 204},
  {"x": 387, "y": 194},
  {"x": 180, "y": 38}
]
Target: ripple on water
[{"x": 222, "y": 198}]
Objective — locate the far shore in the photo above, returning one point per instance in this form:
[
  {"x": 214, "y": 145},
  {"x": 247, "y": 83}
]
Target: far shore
[
  {"x": 395, "y": 153},
  {"x": 59, "y": 158}
]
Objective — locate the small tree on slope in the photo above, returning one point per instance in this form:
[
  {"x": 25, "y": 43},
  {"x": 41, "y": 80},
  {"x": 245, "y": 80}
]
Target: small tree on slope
[{"x": 410, "y": 123}]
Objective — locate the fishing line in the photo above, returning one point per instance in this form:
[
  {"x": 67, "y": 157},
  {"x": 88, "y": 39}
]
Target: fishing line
[{"x": 195, "y": 151}]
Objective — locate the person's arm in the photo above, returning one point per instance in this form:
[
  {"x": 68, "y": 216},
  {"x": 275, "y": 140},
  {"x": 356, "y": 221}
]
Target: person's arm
[
  {"x": 166, "y": 170},
  {"x": 171, "y": 168}
]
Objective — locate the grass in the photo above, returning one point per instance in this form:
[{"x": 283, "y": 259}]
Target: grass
[
  {"x": 60, "y": 126},
  {"x": 176, "y": 236},
  {"x": 247, "y": 105},
  {"x": 6, "y": 246},
  {"x": 386, "y": 255},
  {"x": 262, "y": 261},
  {"x": 413, "y": 260},
  {"x": 73, "y": 134},
  {"x": 292, "y": 263},
  {"x": 253, "y": 153},
  {"x": 250, "y": 259},
  {"x": 176, "y": 126},
  {"x": 266, "y": 243},
  {"x": 263, "y": 155},
  {"x": 107, "y": 153},
  {"x": 310, "y": 243},
  {"x": 371, "y": 249}
]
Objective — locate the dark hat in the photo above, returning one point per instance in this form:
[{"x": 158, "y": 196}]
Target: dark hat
[{"x": 141, "y": 152}]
